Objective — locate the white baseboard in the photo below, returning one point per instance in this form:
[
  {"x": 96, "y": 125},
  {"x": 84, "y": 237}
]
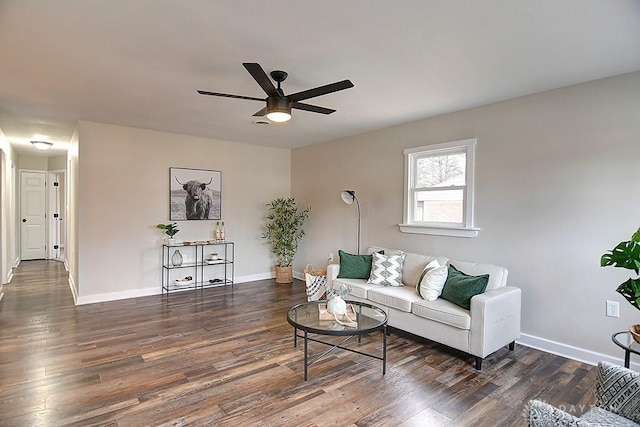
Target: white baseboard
[
  {"x": 253, "y": 277},
  {"x": 113, "y": 296},
  {"x": 571, "y": 352},
  {"x": 72, "y": 286}
]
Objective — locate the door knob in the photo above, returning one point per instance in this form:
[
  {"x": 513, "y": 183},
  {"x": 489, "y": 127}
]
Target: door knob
[{"x": 24, "y": 220}]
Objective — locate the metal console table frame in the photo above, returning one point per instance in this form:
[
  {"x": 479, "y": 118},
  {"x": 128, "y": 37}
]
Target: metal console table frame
[{"x": 625, "y": 341}]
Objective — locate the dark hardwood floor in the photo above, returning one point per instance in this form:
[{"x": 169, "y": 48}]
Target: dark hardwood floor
[{"x": 225, "y": 357}]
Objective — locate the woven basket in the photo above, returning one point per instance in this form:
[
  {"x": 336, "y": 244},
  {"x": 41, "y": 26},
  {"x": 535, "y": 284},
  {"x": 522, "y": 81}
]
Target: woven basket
[
  {"x": 284, "y": 274},
  {"x": 310, "y": 269},
  {"x": 635, "y": 332}
]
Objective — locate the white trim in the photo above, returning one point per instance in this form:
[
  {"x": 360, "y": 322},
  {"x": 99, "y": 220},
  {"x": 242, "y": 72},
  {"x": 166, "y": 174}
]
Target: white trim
[
  {"x": 253, "y": 277},
  {"x": 439, "y": 231},
  {"x": 466, "y": 229},
  {"x": 113, "y": 296},
  {"x": 73, "y": 289},
  {"x": 575, "y": 353}
]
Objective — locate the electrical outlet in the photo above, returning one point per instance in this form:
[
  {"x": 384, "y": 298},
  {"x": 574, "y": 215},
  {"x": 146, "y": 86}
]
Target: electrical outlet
[
  {"x": 330, "y": 257},
  {"x": 613, "y": 309}
]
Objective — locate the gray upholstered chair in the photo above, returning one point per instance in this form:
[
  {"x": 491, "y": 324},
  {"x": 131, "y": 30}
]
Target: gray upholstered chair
[{"x": 617, "y": 402}]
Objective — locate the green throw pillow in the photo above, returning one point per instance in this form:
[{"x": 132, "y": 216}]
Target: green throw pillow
[
  {"x": 460, "y": 287},
  {"x": 354, "y": 266}
]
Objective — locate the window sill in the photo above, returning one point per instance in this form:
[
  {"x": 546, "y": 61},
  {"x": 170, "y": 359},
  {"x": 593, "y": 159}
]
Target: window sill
[{"x": 439, "y": 231}]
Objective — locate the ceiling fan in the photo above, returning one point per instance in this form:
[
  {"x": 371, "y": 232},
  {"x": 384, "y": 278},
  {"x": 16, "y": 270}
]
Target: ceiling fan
[{"x": 279, "y": 105}]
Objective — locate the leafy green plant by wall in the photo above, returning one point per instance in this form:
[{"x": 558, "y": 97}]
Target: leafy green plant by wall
[
  {"x": 626, "y": 255},
  {"x": 284, "y": 229}
]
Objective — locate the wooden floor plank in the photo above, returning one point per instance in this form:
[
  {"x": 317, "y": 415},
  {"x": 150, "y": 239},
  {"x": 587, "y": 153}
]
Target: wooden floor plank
[{"x": 225, "y": 356}]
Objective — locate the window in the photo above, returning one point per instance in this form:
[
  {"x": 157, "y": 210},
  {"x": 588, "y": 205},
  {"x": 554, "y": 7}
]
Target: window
[{"x": 439, "y": 189}]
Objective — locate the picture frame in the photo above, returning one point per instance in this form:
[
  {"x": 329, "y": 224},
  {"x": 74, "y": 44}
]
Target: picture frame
[{"x": 195, "y": 194}]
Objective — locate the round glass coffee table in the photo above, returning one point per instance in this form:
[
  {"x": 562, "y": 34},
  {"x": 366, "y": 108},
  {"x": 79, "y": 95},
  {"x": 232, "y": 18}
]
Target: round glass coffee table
[
  {"x": 362, "y": 318},
  {"x": 625, "y": 341}
]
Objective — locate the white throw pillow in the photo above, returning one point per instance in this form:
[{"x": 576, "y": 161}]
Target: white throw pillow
[
  {"x": 386, "y": 270},
  {"x": 432, "y": 280}
]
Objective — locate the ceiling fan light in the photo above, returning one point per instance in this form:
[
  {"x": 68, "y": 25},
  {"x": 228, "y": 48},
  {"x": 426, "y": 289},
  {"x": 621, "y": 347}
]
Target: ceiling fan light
[
  {"x": 278, "y": 116},
  {"x": 42, "y": 145},
  {"x": 278, "y": 109}
]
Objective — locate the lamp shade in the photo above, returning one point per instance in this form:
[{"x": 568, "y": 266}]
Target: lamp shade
[
  {"x": 348, "y": 196},
  {"x": 278, "y": 109},
  {"x": 42, "y": 145}
]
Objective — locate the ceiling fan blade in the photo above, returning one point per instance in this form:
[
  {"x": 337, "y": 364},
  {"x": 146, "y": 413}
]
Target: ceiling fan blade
[
  {"x": 261, "y": 113},
  {"x": 226, "y": 95},
  {"x": 312, "y": 108},
  {"x": 321, "y": 90},
  {"x": 261, "y": 77}
]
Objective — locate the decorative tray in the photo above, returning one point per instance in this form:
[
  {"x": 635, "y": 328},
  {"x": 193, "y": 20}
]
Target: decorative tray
[{"x": 325, "y": 315}]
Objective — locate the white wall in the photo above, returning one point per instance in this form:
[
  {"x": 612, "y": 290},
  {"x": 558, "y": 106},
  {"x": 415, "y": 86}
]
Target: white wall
[
  {"x": 71, "y": 214},
  {"x": 8, "y": 248},
  {"x": 123, "y": 192},
  {"x": 557, "y": 178}
]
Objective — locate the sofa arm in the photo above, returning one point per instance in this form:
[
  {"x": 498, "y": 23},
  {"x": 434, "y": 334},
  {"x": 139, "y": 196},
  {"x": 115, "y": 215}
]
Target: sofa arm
[
  {"x": 495, "y": 320},
  {"x": 540, "y": 414},
  {"x": 332, "y": 274}
]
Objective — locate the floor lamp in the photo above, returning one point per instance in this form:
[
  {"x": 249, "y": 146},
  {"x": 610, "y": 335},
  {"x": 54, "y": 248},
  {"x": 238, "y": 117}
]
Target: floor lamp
[{"x": 349, "y": 196}]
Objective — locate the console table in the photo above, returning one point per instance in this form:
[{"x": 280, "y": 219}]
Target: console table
[{"x": 199, "y": 264}]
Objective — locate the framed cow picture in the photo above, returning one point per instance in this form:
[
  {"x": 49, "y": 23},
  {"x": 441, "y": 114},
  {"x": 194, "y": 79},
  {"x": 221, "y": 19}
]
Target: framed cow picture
[{"x": 195, "y": 194}]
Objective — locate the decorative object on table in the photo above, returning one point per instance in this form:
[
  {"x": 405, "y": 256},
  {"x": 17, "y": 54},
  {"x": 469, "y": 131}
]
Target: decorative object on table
[
  {"x": 184, "y": 282},
  {"x": 284, "y": 231},
  {"x": 170, "y": 230},
  {"x": 316, "y": 282},
  {"x": 176, "y": 258},
  {"x": 349, "y": 196},
  {"x": 635, "y": 332},
  {"x": 195, "y": 194},
  {"x": 627, "y": 255},
  {"x": 223, "y": 233},
  {"x": 337, "y": 306}
]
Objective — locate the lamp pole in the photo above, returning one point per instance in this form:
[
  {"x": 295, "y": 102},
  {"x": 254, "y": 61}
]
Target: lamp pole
[{"x": 349, "y": 196}]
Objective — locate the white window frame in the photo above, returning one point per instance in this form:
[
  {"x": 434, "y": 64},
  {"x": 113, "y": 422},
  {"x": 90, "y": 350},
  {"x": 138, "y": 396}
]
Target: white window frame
[{"x": 466, "y": 229}]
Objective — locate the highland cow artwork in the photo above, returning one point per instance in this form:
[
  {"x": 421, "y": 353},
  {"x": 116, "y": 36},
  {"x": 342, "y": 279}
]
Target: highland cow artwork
[{"x": 195, "y": 194}]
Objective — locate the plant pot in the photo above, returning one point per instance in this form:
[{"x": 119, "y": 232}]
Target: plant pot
[
  {"x": 635, "y": 332},
  {"x": 284, "y": 274},
  {"x": 171, "y": 241}
]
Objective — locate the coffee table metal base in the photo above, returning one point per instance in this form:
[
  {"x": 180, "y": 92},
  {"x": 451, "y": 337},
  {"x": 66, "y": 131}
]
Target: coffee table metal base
[{"x": 340, "y": 345}]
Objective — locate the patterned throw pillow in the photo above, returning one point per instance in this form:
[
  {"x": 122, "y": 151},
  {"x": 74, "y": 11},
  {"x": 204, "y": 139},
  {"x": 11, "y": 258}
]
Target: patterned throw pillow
[
  {"x": 618, "y": 391},
  {"x": 386, "y": 270},
  {"x": 432, "y": 280}
]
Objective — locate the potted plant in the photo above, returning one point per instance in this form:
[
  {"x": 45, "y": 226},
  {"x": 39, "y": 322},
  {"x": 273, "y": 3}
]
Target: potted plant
[
  {"x": 284, "y": 231},
  {"x": 627, "y": 255},
  {"x": 170, "y": 230}
]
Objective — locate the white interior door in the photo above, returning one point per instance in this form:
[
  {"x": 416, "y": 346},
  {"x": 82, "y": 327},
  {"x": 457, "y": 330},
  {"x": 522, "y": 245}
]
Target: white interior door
[{"x": 33, "y": 234}]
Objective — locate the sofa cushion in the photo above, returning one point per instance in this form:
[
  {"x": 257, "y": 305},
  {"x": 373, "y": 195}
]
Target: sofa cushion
[
  {"x": 442, "y": 311},
  {"x": 386, "y": 270},
  {"x": 600, "y": 417},
  {"x": 460, "y": 287},
  {"x": 354, "y": 266},
  {"x": 400, "y": 297},
  {"x": 497, "y": 275},
  {"x": 414, "y": 264},
  {"x": 359, "y": 287},
  {"x": 432, "y": 280}
]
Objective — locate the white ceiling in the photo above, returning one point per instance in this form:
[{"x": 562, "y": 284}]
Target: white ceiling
[{"x": 139, "y": 63}]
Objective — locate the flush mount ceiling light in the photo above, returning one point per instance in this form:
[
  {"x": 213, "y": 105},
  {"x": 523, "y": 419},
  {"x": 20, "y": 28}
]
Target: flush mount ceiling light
[{"x": 42, "y": 145}]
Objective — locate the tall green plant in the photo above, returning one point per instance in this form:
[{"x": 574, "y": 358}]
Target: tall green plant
[
  {"x": 626, "y": 255},
  {"x": 284, "y": 229}
]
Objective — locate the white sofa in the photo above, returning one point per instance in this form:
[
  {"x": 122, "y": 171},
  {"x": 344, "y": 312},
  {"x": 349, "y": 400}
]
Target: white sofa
[{"x": 492, "y": 322}]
